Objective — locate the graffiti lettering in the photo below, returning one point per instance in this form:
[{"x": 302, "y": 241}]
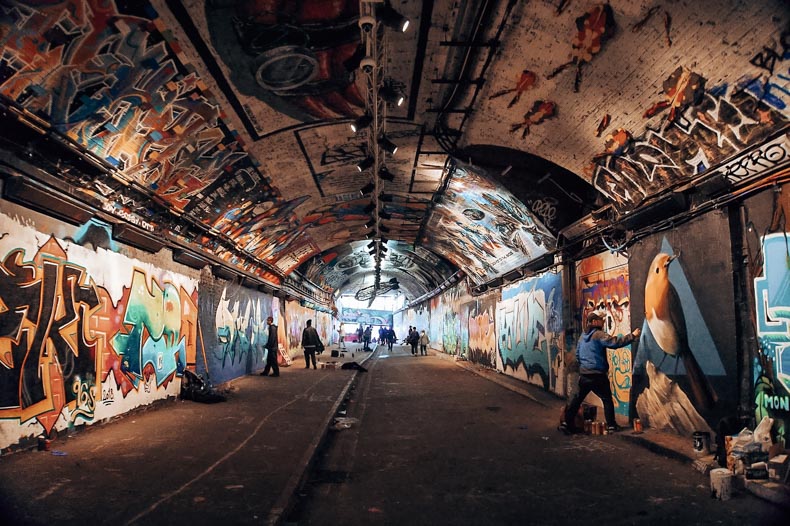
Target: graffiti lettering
[
  {"x": 776, "y": 402},
  {"x": 725, "y": 122},
  {"x": 43, "y": 344},
  {"x": 766, "y": 59}
]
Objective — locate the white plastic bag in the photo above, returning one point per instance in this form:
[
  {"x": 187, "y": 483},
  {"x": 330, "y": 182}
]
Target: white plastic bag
[
  {"x": 762, "y": 433},
  {"x": 742, "y": 439}
]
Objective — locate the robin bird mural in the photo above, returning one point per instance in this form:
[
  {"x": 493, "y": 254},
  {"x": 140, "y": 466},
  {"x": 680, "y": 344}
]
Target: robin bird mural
[{"x": 664, "y": 317}]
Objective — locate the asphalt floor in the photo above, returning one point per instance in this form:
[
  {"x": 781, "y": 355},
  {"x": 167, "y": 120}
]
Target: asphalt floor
[{"x": 412, "y": 440}]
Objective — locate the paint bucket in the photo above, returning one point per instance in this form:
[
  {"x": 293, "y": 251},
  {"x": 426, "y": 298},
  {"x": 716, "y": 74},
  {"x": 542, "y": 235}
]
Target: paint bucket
[
  {"x": 721, "y": 483},
  {"x": 701, "y": 442}
]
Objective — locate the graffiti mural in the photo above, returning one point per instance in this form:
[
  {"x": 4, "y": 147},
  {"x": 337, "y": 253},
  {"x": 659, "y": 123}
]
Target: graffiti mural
[
  {"x": 484, "y": 227},
  {"x": 418, "y": 270},
  {"x": 725, "y": 121},
  {"x": 685, "y": 362},
  {"x": 234, "y": 330},
  {"x": 603, "y": 287},
  {"x": 481, "y": 330},
  {"x": 530, "y": 331},
  {"x": 772, "y": 363},
  {"x": 296, "y": 317},
  {"x": 366, "y": 317},
  {"x": 291, "y": 58},
  {"x": 84, "y": 334}
]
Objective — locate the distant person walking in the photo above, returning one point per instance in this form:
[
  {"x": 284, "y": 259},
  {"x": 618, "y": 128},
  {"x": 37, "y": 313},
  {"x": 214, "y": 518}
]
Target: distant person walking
[
  {"x": 341, "y": 334},
  {"x": 310, "y": 342},
  {"x": 272, "y": 350},
  {"x": 391, "y": 338},
  {"x": 414, "y": 339},
  {"x": 424, "y": 341},
  {"x": 366, "y": 338}
]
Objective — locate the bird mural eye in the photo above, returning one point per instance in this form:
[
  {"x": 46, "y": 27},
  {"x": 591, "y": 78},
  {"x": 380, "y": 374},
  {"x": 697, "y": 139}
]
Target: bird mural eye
[{"x": 657, "y": 269}]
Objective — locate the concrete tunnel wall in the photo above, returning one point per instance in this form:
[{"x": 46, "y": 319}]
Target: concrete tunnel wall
[
  {"x": 92, "y": 329},
  {"x": 729, "y": 277}
]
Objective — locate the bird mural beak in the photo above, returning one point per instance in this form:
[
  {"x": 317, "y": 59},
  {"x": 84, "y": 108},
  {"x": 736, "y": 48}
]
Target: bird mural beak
[{"x": 672, "y": 257}]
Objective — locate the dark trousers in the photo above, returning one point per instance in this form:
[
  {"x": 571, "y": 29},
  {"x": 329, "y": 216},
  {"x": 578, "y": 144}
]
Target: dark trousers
[
  {"x": 414, "y": 348},
  {"x": 309, "y": 355},
  {"x": 598, "y": 384},
  {"x": 271, "y": 363},
  {"x": 423, "y": 350},
  {"x": 390, "y": 343}
]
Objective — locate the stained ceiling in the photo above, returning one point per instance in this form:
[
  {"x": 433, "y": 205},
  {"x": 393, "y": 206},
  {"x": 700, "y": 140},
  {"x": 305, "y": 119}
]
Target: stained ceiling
[{"x": 224, "y": 125}]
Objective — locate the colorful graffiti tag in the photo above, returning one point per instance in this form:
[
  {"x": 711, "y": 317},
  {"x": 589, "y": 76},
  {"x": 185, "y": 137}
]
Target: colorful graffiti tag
[
  {"x": 486, "y": 229},
  {"x": 772, "y": 363},
  {"x": 241, "y": 333},
  {"x": 62, "y": 335},
  {"x": 482, "y": 342},
  {"x": 530, "y": 332},
  {"x": 603, "y": 287}
]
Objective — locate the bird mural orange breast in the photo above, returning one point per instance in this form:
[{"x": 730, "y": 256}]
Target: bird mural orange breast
[{"x": 664, "y": 318}]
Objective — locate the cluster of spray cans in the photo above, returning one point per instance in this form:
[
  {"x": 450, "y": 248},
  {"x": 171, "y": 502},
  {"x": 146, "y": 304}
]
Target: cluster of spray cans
[{"x": 592, "y": 427}]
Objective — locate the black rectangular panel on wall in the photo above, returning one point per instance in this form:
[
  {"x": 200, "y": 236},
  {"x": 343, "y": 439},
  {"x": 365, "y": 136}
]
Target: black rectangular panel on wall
[
  {"x": 136, "y": 237},
  {"x": 33, "y": 195},
  {"x": 682, "y": 297}
]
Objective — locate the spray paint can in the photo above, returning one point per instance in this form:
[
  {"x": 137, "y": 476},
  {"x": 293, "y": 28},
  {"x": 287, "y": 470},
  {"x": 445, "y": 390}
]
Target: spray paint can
[{"x": 637, "y": 425}]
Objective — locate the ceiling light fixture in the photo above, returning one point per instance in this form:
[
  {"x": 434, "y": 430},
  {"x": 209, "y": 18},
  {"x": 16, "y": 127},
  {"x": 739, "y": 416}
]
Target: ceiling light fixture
[
  {"x": 387, "y": 145},
  {"x": 392, "y": 18},
  {"x": 392, "y": 96},
  {"x": 365, "y": 190},
  {"x": 366, "y": 163},
  {"x": 361, "y": 123},
  {"x": 386, "y": 174},
  {"x": 383, "y": 214}
]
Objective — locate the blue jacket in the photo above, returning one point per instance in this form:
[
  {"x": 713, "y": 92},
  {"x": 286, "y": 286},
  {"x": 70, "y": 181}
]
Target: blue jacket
[{"x": 591, "y": 350}]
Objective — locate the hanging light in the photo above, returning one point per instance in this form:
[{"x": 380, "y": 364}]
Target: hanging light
[
  {"x": 361, "y": 123},
  {"x": 369, "y": 208},
  {"x": 367, "y": 189},
  {"x": 391, "y": 96},
  {"x": 366, "y": 163},
  {"x": 386, "y": 174},
  {"x": 384, "y": 229},
  {"x": 392, "y": 18},
  {"x": 387, "y": 145},
  {"x": 372, "y": 244},
  {"x": 383, "y": 214},
  {"x": 386, "y": 198}
]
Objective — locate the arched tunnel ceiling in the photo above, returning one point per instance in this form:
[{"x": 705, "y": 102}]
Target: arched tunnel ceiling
[{"x": 226, "y": 122}]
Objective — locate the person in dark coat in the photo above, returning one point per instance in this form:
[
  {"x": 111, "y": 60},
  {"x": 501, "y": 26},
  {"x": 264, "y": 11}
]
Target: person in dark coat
[
  {"x": 310, "y": 342},
  {"x": 272, "y": 350},
  {"x": 414, "y": 339},
  {"x": 391, "y": 338}
]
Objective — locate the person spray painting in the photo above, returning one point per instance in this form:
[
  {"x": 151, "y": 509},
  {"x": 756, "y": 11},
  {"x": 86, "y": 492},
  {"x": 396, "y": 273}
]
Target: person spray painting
[{"x": 594, "y": 369}]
